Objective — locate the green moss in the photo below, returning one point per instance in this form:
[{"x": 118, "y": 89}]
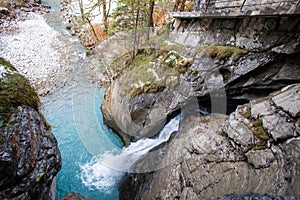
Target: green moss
[
  {"x": 7, "y": 65},
  {"x": 152, "y": 71},
  {"x": 15, "y": 91},
  {"x": 259, "y": 147},
  {"x": 156, "y": 46},
  {"x": 177, "y": 62},
  {"x": 221, "y": 52},
  {"x": 247, "y": 113},
  {"x": 259, "y": 132},
  {"x": 160, "y": 42},
  {"x": 142, "y": 60}
]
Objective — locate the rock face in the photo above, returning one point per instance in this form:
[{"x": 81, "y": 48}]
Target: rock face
[
  {"x": 74, "y": 196},
  {"x": 242, "y": 8},
  {"x": 245, "y": 57},
  {"x": 29, "y": 155},
  {"x": 256, "y": 149}
]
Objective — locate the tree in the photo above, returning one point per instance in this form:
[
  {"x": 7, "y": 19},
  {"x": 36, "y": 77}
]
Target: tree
[
  {"x": 150, "y": 18},
  {"x": 136, "y": 15}
]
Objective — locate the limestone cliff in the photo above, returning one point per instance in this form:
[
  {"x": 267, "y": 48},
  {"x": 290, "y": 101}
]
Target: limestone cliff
[
  {"x": 233, "y": 60},
  {"x": 255, "y": 149}
]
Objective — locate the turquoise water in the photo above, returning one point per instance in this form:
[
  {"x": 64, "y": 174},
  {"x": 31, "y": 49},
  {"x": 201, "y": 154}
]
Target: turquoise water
[
  {"x": 60, "y": 111},
  {"x": 75, "y": 117}
]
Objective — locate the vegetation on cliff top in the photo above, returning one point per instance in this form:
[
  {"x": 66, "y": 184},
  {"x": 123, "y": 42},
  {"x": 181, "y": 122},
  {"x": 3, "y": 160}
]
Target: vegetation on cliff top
[
  {"x": 158, "y": 64},
  {"x": 15, "y": 91},
  {"x": 151, "y": 71}
]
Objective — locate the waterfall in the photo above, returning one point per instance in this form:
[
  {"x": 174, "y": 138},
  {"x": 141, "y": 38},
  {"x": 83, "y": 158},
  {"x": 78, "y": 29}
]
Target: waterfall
[{"x": 103, "y": 172}]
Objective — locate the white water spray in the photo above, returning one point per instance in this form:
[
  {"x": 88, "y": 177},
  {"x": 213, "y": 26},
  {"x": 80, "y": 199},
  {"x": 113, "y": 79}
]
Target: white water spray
[{"x": 104, "y": 172}]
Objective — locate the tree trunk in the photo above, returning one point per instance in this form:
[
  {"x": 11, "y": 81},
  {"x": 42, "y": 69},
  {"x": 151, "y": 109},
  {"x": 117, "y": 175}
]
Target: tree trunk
[
  {"x": 135, "y": 40},
  {"x": 81, "y": 11},
  {"x": 150, "y": 20},
  {"x": 105, "y": 16}
]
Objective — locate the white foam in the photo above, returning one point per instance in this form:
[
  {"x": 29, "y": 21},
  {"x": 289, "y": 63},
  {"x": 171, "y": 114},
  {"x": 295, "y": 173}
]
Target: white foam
[{"x": 105, "y": 171}]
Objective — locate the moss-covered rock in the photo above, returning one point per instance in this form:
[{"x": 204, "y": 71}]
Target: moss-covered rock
[
  {"x": 151, "y": 71},
  {"x": 15, "y": 91},
  {"x": 247, "y": 113},
  {"x": 29, "y": 158},
  {"x": 222, "y": 52}
]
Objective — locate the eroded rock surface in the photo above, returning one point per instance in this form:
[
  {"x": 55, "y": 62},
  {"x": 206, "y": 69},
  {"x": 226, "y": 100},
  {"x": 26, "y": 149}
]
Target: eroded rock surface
[
  {"x": 254, "y": 150},
  {"x": 74, "y": 196},
  {"x": 246, "y": 57},
  {"x": 29, "y": 156}
]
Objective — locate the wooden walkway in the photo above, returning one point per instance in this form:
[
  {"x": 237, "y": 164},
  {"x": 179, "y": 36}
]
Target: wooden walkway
[{"x": 241, "y": 8}]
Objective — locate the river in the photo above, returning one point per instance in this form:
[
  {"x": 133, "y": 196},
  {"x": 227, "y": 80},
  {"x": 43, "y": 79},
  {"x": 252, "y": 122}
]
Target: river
[
  {"x": 76, "y": 119},
  {"x": 93, "y": 157}
]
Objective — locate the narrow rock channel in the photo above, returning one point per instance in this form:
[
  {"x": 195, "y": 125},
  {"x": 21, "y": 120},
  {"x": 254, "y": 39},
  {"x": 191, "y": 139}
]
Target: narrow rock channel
[{"x": 55, "y": 64}]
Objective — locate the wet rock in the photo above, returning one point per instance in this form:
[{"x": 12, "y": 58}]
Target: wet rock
[
  {"x": 289, "y": 101},
  {"x": 279, "y": 114},
  {"x": 207, "y": 160},
  {"x": 74, "y": 196},
  {"x": 29, "y": 156},
  {"x": 4, "y": 11},
  {"x": 239, "y": 130}
]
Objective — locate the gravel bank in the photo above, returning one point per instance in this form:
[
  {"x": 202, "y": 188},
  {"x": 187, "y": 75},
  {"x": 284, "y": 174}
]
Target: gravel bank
[{"x": 39, "y": 52}]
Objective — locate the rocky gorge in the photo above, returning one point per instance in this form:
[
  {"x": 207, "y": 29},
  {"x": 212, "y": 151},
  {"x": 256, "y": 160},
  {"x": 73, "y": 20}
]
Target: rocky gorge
[
  {"x": 246, "y": 57},
  {"x": 213, "y": 65},
  {"x": 235, "y": 82}
]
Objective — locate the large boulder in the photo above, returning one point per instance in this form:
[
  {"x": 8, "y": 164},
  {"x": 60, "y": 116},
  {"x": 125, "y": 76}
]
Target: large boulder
[
  {"x": 29, "y": 154},
  {"x": 254, "y": 150}
]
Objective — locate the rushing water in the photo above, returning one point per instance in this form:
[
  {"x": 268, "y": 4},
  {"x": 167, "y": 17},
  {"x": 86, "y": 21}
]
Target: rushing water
[
  {"x": 60, "y": 112},
  {"x": 76, "y": 119},
  {"x": 93, "y": 157},
  {"x": 105, "y": 170}
]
